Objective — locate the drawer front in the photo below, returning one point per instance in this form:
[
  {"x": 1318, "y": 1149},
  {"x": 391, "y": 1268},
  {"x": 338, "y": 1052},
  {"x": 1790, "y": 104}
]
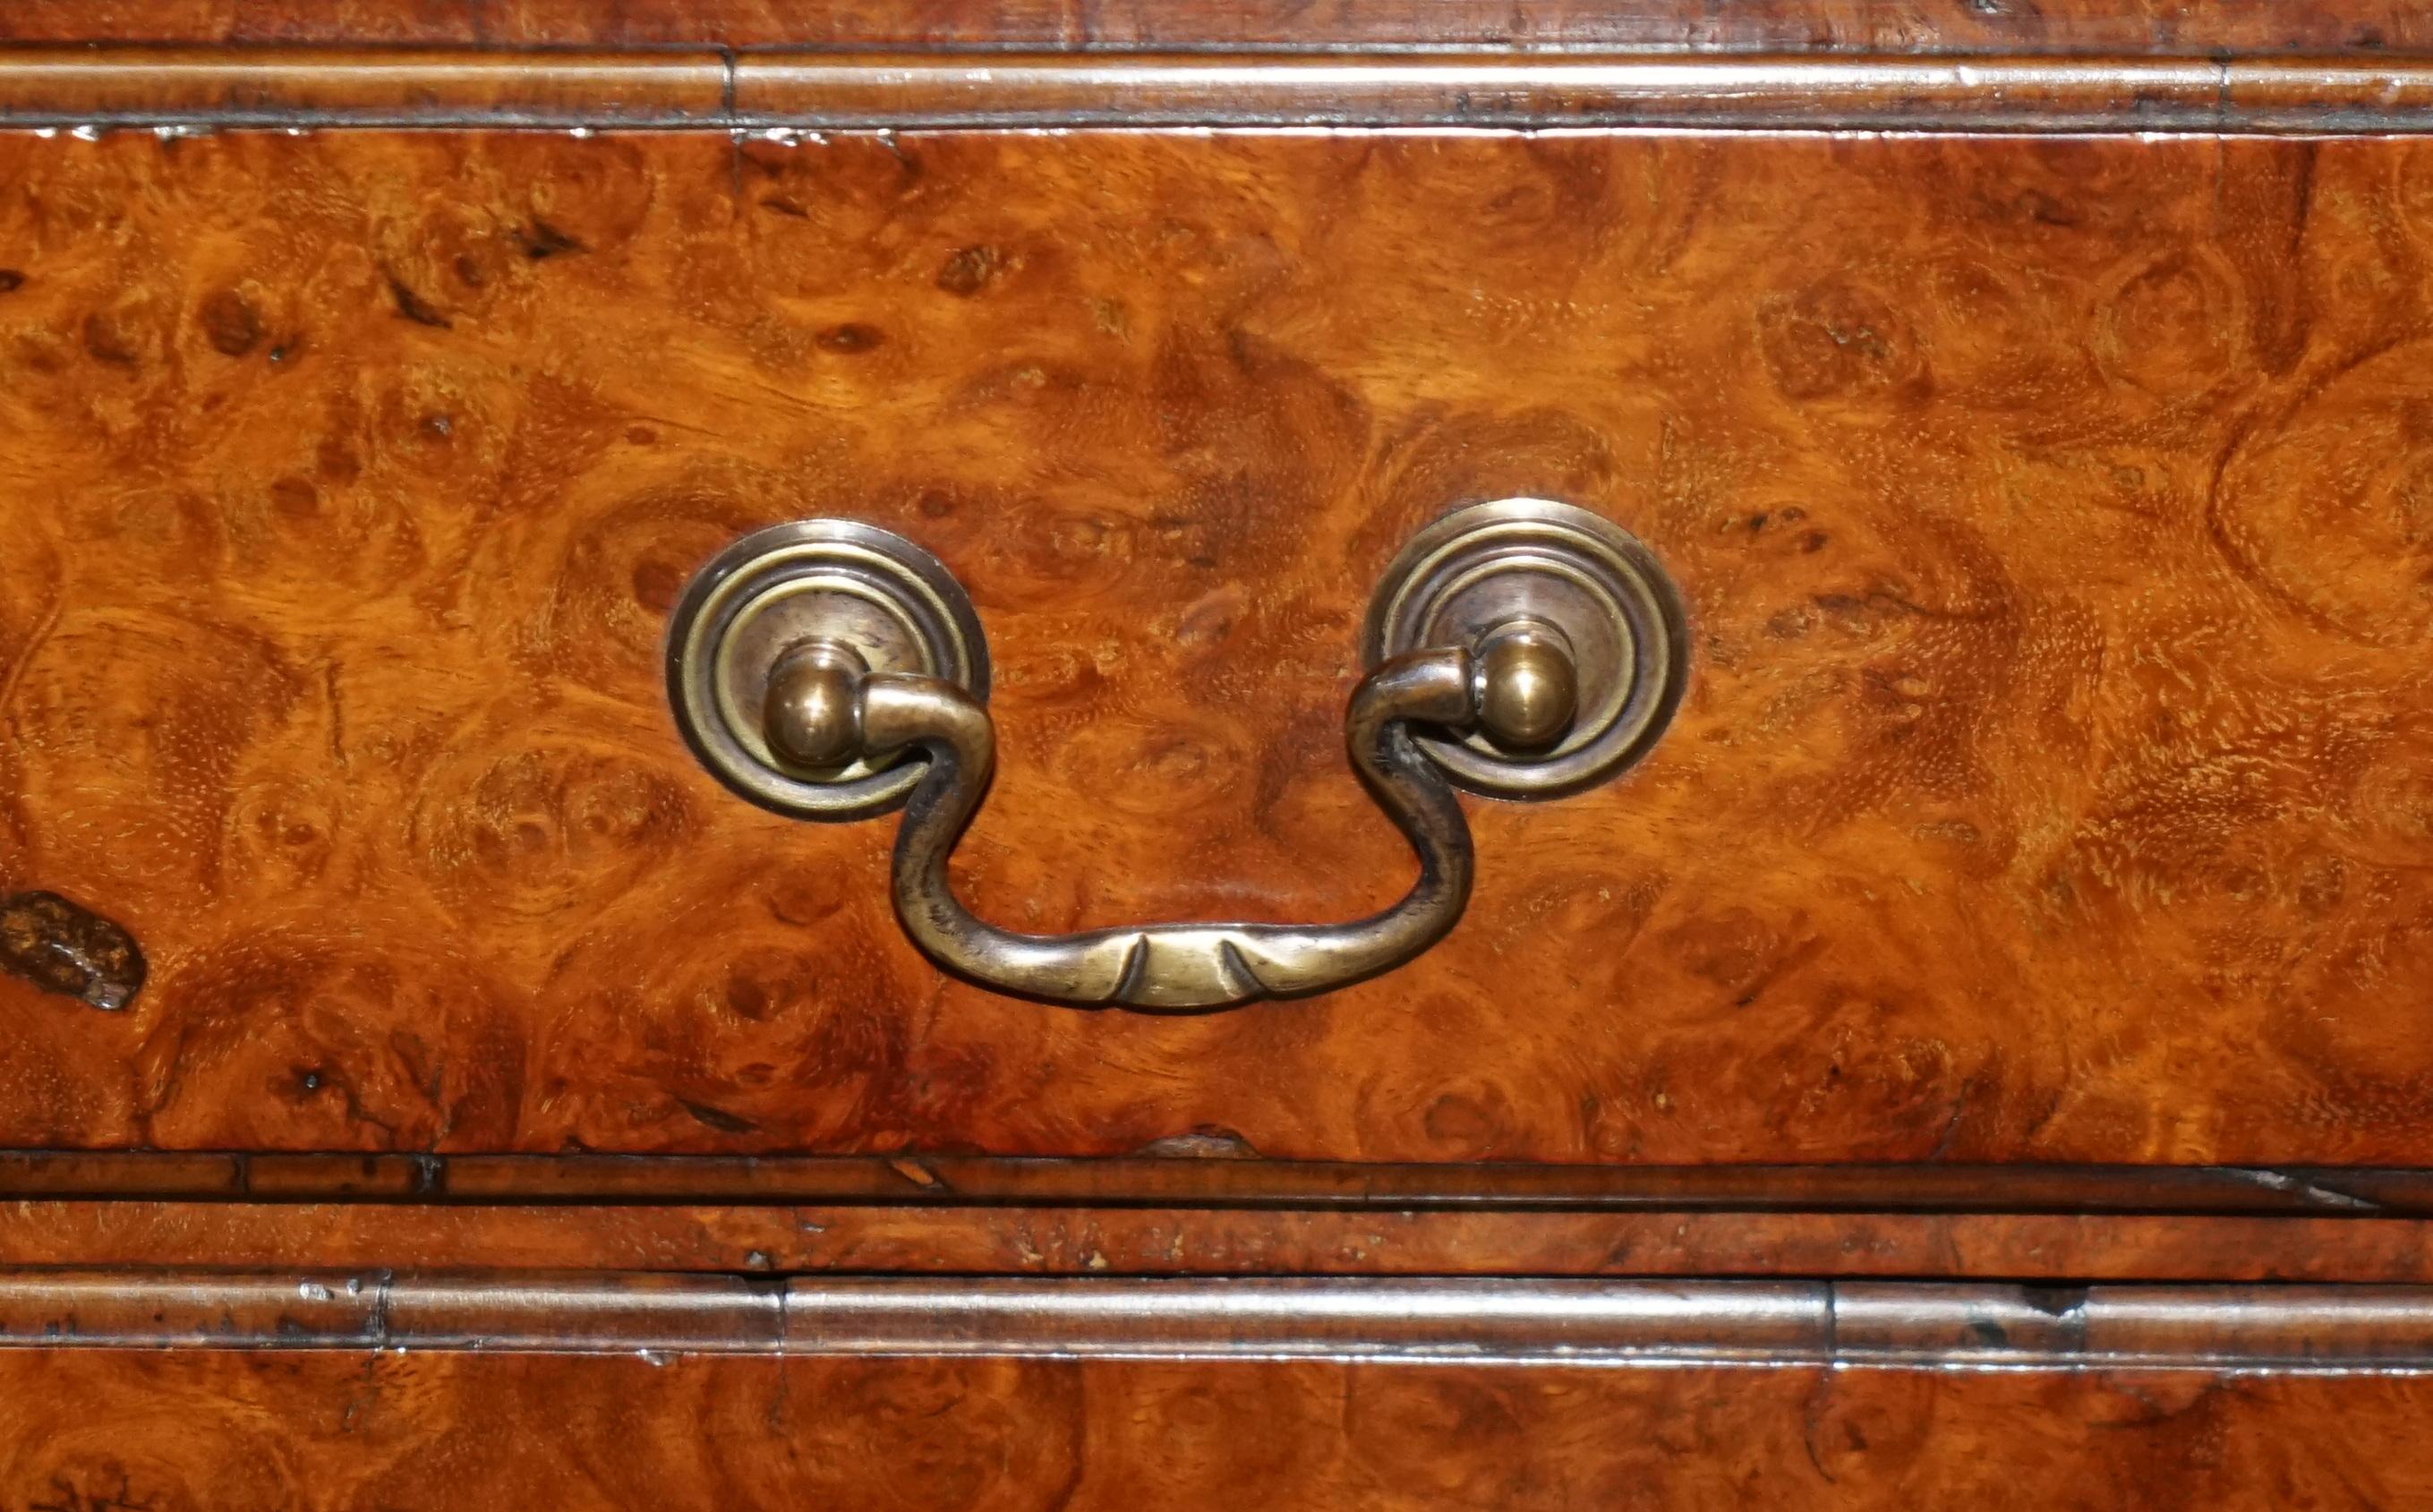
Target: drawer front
[{"x": 2053, "y": 521}]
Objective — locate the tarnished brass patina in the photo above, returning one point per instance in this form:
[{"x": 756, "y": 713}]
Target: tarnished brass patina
[
  {"x": 1497, "y": 577},
  {"x": 1528, "y": 689},
  {"x": 811, "y": 715},
  {"x": 1175, "y": 966},
  {"x": 848, "y": 701},
  {"x": 772, "y": 636}
]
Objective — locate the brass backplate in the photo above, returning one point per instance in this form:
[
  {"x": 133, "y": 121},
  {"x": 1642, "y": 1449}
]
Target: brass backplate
[
  {"x": 833, "y": 580},
  {"x": 1486, "y": 565}
]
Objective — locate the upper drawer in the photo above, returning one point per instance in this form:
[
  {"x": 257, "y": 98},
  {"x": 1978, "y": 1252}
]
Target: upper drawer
[{"x": 2053, "y": 521}]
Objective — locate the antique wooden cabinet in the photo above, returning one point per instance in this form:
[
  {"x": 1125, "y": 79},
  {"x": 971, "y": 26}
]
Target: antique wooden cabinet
[{"x": 1880, "y": 557}]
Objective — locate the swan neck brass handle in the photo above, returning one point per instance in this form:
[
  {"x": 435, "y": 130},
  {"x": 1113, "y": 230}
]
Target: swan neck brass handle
[
  {"x": 831, "y": 669},
  {"x": 1167, "y": 966}
]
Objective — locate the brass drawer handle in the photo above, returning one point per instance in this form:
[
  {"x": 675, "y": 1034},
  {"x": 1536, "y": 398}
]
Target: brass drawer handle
[
  {"x": 1166, "y": 965},
  {"x": 1518, "y": 648}
]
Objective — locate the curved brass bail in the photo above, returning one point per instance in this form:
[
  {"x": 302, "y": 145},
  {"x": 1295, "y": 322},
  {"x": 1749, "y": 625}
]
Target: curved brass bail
[{"x": 1180, "y": 966}]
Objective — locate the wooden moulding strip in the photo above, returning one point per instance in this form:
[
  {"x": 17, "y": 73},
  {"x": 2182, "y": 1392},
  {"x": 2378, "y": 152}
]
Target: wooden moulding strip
[
  {"x": 1102, "y": 1242},
  {"x": 1831, "y": 1324},
  {"x": 1172, "y": 1181},
  {"x": 2185, "y": 27},
  {"x": 234, "y": 88}
]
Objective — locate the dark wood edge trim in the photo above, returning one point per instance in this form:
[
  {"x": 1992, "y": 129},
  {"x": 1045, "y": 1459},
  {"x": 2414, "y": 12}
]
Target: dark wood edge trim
[
  {"x": 1831, "y": 1324},
  {"x": 236, "y": 88},
  {"x": 1234, "y": 1181},
  {"x": 1103, "y": 1241}
]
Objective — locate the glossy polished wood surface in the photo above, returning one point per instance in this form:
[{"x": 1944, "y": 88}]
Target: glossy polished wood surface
[
  {"x": 113, "y": 1429},
  {"x": 2053, "y": 783}
]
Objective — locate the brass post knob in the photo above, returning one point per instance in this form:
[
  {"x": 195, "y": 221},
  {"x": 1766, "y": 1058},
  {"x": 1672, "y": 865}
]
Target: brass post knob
[
  {"x": 1528, "y": 688},
  {"x": 808, "y": 715}
]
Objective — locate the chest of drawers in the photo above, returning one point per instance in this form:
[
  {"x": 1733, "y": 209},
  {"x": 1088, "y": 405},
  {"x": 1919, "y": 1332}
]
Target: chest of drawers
[{"x": 1881, "y": 559}]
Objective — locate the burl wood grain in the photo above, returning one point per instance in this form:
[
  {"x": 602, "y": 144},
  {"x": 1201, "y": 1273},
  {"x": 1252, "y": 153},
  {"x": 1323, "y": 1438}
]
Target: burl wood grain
[
  {"x": 169, "y": 1432},
  {"x": 2053, "y": 784}
]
